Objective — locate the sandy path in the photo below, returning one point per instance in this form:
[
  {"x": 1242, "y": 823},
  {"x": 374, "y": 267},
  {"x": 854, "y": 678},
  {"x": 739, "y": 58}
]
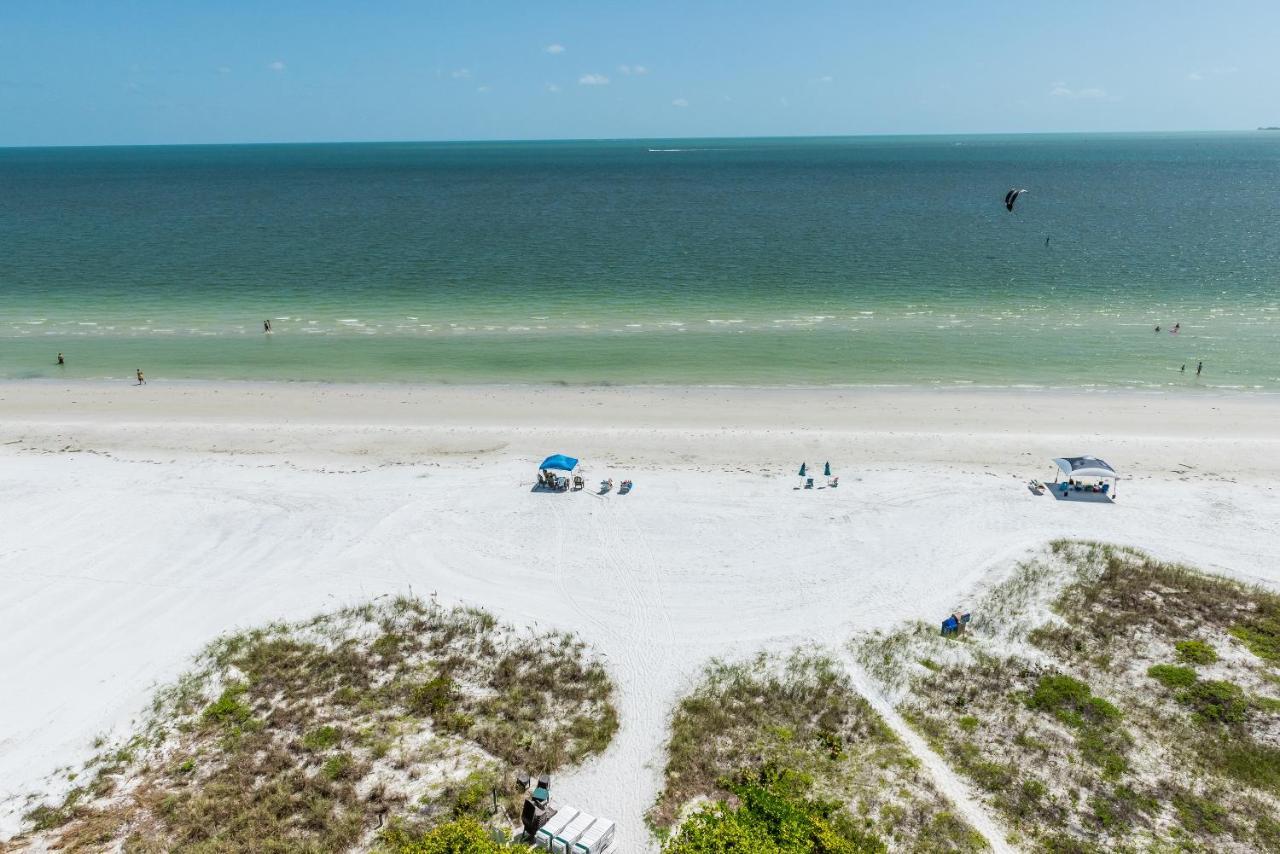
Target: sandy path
[
  {"x": 126, "y": 543},
  {"x": 957, "y": 790}
]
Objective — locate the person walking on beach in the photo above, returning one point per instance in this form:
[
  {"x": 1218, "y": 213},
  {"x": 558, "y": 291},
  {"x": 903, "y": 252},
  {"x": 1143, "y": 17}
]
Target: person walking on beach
[
  {"x": 141, "y": 379},
  {"x": 61, "y": 361},
  {"x": 1199, "y": 368}
]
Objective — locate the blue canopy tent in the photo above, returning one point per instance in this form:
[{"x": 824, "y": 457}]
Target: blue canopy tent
[{"x": 559, "y": 462}]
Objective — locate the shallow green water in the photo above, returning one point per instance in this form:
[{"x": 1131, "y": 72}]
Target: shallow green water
[{"x": 864, "y": 260}]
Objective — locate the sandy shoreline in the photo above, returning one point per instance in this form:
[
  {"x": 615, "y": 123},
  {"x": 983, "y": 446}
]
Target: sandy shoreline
[
  {"x": 139, "y": 523},
  {"x": 664, "y": 426}
]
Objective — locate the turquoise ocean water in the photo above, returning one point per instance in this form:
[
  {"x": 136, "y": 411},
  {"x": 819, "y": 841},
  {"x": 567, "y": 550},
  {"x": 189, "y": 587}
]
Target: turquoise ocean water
[{"x": 874, "y": 260}]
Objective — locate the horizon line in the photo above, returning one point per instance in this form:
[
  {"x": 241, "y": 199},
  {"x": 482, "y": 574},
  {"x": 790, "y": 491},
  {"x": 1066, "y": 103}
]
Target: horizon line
[{"x": 492, "y": 140}]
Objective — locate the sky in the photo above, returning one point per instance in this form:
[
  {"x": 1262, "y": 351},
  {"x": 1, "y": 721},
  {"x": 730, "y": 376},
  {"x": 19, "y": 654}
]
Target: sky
[{"x": 126, "y": 72}]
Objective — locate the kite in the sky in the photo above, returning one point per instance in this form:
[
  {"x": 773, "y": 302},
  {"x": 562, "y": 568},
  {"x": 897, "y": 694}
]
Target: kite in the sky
[{"x": 1011, "y": 197}]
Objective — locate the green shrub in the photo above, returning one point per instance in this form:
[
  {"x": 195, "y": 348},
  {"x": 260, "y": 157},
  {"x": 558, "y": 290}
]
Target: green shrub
[
  {"x": 1216, "y": 701},
  {"x": 968, "y": 723},
  {"x": 337, "y": 767},
  {"x": 1249, "y": 762},
  {"x": 1071, "y": 700},
  {"x": 1199, "y": 815},
  {"x": 1172, "y": 675},
  {"x": 992, "y": 776},
  {"x": 461, "y": 836},
  {"x": 432, "y": 698},
  {"x": 1261, "y": 635},
  {"x": 1196, "y": 652},
  {"x": 774, "y": 815},
  {"x": 322, "y": 738},
  {"x": 228, "y": 710}
]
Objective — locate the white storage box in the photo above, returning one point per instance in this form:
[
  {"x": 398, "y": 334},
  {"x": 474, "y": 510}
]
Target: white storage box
[
  {"x": 597, "y": 838},
  {"x": 563, "y": 841},
  {"x": 554, "y": 825}
]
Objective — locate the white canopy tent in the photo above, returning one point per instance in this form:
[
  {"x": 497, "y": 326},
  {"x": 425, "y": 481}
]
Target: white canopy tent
[{"x": 1075, "y": 468}]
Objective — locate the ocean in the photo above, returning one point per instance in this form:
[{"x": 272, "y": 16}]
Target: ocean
[{"x": 831, "y": 261}]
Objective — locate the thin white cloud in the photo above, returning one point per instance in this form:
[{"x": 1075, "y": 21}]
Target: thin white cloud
[
  {"x": 553, "y": 88},
  {"x": 278, "y": 65},
  {"x": 633, "y": 69},
  {"x": 826, "y": 78},
  {"x": 1090, "y": 93},
  {"x": 680, "y": 102},
  {"x": 224, "y": 69},
  {"x": 555, "y": 48},
  {"x": 1195, "y": 75},
  {"x": 482, "y": 88},
  {"x": 593, "y": 80},
  {"x": 461, "y": 74}
]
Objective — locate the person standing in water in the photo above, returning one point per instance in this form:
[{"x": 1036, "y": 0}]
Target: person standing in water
[
  {"x": 266, "y": 326},
  {"x": 1175, "y": 328},
  {"x": 61, "y": 361},
  {"x": 141, "y": 379},
  {"x": 1199, "y": 368},
  {"x": 1157, "y": 329},
  {"x": 1183, "y": 369}
]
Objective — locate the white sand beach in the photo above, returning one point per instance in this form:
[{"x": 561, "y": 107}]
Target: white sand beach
[{"x": 138, "y": 523}]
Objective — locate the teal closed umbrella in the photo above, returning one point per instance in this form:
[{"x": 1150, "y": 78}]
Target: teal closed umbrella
[
  {"x": 826, "y": 470},
  {"x": 802, "y": 468}
]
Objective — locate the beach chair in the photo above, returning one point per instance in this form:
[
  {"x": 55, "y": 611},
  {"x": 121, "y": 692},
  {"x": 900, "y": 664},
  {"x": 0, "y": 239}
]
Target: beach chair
[
  {"x": 625, "y": 488},
  {"x": 578, "y": 482},
  {"x": 833, "y": 482},
  {"x": 808, "y": 483}
]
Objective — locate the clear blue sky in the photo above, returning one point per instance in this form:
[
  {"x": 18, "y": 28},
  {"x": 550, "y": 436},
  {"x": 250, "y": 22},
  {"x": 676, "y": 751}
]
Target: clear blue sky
[{"x": 80, "y": 73}]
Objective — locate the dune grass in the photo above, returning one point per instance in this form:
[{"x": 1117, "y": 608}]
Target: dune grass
[
  {"x": 328, "y": 735},
  {"x": 1108, "y": 701},
  {"x": 793, "y": 734}
]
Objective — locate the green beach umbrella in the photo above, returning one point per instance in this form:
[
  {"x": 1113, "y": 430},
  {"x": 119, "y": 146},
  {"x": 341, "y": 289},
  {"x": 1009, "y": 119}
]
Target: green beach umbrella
[
  {"x": 826, "y": 469},
  {"x": 802, "y": 466}
]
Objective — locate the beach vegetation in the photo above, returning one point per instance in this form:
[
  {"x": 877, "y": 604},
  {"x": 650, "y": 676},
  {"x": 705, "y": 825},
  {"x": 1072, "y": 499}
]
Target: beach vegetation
[
  {"x": 780, "y": 751},
  {"x": 311, "y": 735},
  {"x": 1172, "y": 675},
  {"x": 1071, "y": 745},
  {"x": 773, "y": 812},
  {"x": 1196, "y": 652}
]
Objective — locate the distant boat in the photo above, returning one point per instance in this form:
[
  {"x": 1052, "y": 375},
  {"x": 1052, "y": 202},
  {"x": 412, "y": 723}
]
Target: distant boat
[{"x": 1270, "y": 128}]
